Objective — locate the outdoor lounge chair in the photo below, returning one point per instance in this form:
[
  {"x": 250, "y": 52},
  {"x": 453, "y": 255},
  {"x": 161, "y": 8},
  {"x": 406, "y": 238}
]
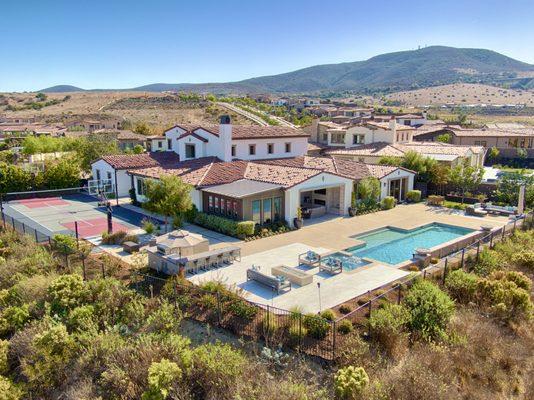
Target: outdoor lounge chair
[
  {"x": 310, "y": 259},
  {"x": 332, "y": 266},
  {"x": 475, "y": 210},
  {"x": 275, "y": 283}
]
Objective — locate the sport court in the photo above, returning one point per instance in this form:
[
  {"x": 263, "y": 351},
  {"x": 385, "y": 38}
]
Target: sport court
[{"x": 58, "y": 214}]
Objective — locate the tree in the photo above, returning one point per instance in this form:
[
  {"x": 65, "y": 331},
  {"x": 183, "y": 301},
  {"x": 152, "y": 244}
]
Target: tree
[
  {"x": 444, "y": 138},
  {"x": 466, "y": 177},
  {"x": 92, "y": 147},
  {"x": 368, "y": 189},
  {"x": 493, "y": 153},
  {"x": 439, "y": 175},
  {"x": 14, "y": 179},
  {"x": 142, "y": 128},
  {"x": 138, "y": 149},
  {"x": 508, "y": 188},
  {"x": 168, "y": 196},
  {"x": 41, "y": 96},
  {"x": 420, "y": 164},
  {"x": 390, "y": 160},
  {"x": 522, "y": 153},
  {"x": 64, "y": 173}
]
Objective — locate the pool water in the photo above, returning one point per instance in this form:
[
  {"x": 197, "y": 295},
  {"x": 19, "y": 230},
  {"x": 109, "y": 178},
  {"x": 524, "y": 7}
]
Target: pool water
[
  {"x": 349, "y": 263},
  {"x": 393, "y": 246}
]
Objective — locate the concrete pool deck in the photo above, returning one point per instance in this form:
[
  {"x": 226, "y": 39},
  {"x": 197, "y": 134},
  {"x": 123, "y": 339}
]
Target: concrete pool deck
[
  {"x": 335, "y": 289},
  {"x": 337, "y": 233}
]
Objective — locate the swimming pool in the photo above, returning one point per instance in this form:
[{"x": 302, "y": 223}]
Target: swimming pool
[{"x": 393, "y": 246}]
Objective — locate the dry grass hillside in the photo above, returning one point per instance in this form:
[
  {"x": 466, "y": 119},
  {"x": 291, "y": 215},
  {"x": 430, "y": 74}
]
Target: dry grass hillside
[
  {"x": 464, "y": 93},
  {"x": 159, "y": 110}
]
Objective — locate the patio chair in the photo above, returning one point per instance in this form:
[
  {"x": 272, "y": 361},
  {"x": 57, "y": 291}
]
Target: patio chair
[{"x": 310, "y": 259}]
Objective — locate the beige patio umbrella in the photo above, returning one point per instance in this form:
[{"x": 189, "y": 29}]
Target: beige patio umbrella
[{"x": 183, "y": 243}]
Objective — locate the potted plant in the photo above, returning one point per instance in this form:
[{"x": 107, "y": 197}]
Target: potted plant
[{"x": 298, "y": 221}]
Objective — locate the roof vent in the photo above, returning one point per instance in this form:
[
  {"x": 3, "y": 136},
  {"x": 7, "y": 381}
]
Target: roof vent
[{"x": 225, "y": 120}]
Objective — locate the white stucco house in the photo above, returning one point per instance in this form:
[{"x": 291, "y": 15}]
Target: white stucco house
[{"x": 250, "y": 172}]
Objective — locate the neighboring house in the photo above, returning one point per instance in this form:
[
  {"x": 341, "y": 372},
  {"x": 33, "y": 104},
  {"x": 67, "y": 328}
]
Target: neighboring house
[
  {"x": 158, "y": 143},
  {"x": 508, "y": 141},
  {"x": 270, "y": 190},
  {"x": 369, "y": 141},
  {"x": 128, "y": 140},
  {"x": 17, "y": 120},
  {"x": 228, "y": 142},
  {"x": 114, "y": 168},
  {"x": 412, "y": 119},
  {"x": 441, "y": 152},
  {"x": 91, "y": 125}
]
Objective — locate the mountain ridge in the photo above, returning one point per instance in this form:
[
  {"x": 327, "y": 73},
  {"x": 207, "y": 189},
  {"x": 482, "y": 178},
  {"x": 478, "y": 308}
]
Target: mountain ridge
[{"x": 402, "y": 70}]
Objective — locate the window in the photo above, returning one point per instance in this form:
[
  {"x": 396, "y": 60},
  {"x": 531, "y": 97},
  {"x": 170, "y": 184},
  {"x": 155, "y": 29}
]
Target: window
[
  {"x": 288, "y": 147},
  {"x": 160, "y": 144},
  {"x": 216, "y": 204},
  {"x": 267, "y": 210},
  {"x": 233, "y": 150},
  {"x": 190, "y": 150},
  {"x": 252, "y": 149},
  {"x": 270, "y": 148},
  {"x": 277, "y": 208},
  {"x": 256, "y": 211},
  {"x": 235, "y": 208},
  {"x": 141, "y": 186},
  {"x": 108, "y": 174},
  {"x": 223, "y": 208},
  {"x": 228, "y": 207},
  {"x": 337, "y": 138},
  {"x": 319, "y": 202},
  {"x": 98, "y": 174},
  {"x": 325, "y": 137},
  {"x": 320, "y": 191},
  {"x": 358, "y": 139},
  {"x": 169, "y": 144},
  {"x": 210, "y": 203}
]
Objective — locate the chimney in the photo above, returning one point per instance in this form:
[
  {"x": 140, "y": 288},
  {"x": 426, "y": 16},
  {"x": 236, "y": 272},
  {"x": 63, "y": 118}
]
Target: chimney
[
  {"x": 225, "y": 138},
  {"x": 392, "y": 124}
]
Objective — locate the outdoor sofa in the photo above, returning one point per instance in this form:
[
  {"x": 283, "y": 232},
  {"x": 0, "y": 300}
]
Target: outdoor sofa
[
  {"x": 276, "y": 283},
  {"x": 493, "y": 209}
]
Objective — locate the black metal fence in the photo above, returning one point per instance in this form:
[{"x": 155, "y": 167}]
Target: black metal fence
[{"x": 309, "y": 334}]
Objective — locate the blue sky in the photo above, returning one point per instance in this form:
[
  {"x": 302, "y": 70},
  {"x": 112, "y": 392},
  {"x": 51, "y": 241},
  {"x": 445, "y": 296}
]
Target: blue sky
[{"x": 121, "y": 44}]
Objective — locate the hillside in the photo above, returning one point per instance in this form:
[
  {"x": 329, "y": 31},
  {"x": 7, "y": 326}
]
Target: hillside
[
  {"x": 463, "y": 94},
  {"x": 404, "y": 70},
  {"x": 62, "y": 89}
]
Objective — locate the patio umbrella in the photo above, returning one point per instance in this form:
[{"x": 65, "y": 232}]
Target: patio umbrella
[{"x": 180, "y": 239}]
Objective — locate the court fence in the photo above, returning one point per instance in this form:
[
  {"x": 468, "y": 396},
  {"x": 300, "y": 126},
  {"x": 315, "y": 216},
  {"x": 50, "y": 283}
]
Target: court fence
[{"x": 312, "y": 335}]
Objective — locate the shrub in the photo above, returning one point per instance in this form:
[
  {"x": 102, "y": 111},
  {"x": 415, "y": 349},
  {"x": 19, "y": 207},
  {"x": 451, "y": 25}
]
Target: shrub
[
  {"x": 114, "y": 238},
  {"x": 350, "y": 382},
  {"x": 345, "y": 327},
  {"x": 413, "y": 196},
  {"x": 435, "y": 200},
  {"x": 328, "y": 315},
  {"x": 245, "y": 228},
  {"x": 269, "y": 324},
  {"x": 521, "y": 280},
  {"x": 216, "y": 369},
  {"x": 242, "y": 309},
  {"x": 317, "y": 327},
  {"x": 388, "y": 202},
  {"x": 4, "y": 366},
  {"x": 461, "y": 285},
  {"x": 208, "y": 302},
  {"x": 430, "y": 309},
  {"x": 161, "y": 376},
  {"x": 65, "y": 244},
  {"x": 8, "y": 390},
  {"x": 82, "y": 319},
  {"x": 488, "y": 261},
  {"x": 524, "y": 258},
  {"x": 148, "y": 226},
  {"x": 388, "y": 325},
  {"x": 216, "y": 223},
  {"x": 296, "y": 333},
  {"x": 165, "y": 318},
  {"x": 345, "y": 309},
  {"x": 66, "y": 293},
  {"x": 14, "y": 318}
]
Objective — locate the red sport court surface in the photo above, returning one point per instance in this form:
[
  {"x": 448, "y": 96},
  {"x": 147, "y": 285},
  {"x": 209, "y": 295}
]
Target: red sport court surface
[
  {"x": 43, "y": 202},
  {"x": 94, "y": 227}
]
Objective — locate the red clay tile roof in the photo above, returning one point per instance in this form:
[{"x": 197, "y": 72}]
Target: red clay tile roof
[
  {"x": 240, "y": 132},
  {"x": 145, "y": 160},
  {"x": 380, "y": 149}
]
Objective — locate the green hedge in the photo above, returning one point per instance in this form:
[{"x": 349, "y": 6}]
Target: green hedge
[
  {"x": 245, "y": 228},
  {"x": 388, "y": 202},
  {"x": 413, "y": 196}
]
